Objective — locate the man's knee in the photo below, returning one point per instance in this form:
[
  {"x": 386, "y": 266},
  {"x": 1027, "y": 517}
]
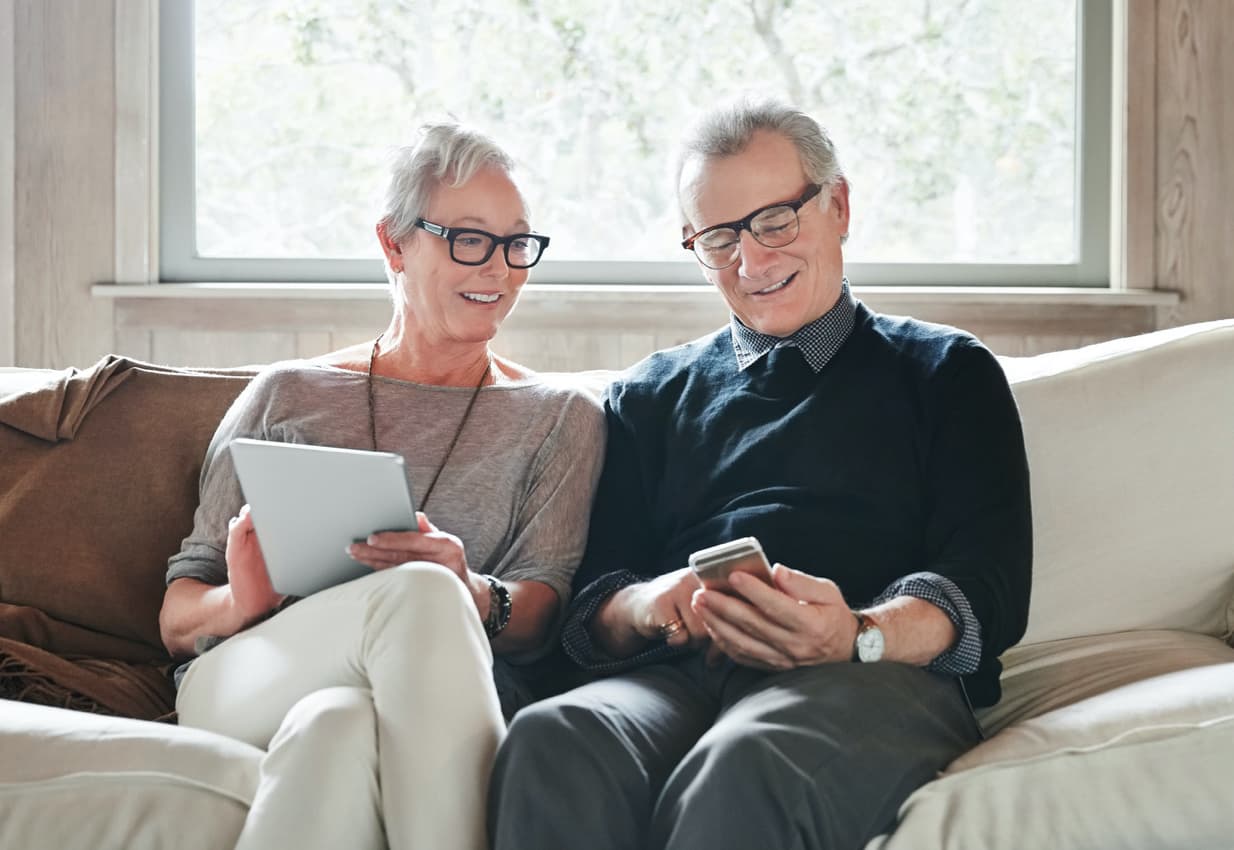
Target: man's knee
[
  {"x": 553, "y": 729},
  {"x": 732, "y": 764}
]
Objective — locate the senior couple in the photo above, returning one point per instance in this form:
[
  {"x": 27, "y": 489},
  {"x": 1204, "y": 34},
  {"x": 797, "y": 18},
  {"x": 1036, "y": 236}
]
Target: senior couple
[{"x": 879, "y": 461}]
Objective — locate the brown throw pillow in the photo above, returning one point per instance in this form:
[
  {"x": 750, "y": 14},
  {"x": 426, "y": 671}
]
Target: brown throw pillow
[{"x": 98, "y": 485}]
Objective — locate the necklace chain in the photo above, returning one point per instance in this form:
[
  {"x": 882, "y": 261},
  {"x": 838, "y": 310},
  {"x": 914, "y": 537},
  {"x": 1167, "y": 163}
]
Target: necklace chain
[{"x": 458, "y": 432}]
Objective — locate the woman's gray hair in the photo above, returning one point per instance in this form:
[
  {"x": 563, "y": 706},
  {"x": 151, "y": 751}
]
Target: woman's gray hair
[
  {"x": 447, "y": 154},
  {"x": 728, "y": 130}
]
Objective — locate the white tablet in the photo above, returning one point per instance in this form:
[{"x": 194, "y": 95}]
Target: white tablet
[{"x": 309, "y": 503}]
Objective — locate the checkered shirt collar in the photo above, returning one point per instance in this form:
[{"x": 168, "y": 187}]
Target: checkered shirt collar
[{"x": 818, "y": 341}]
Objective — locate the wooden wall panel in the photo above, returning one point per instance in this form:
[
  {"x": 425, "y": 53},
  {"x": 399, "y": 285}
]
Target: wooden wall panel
[
  {"x": 592, "y": 335},
  {"x": 8, "y": 308},
  {"x": 64, "y": 172},
  {"x": 221, "y": 348},
  {"x": 1195, "y": 156},
  {"x": 136, "y": 163}
]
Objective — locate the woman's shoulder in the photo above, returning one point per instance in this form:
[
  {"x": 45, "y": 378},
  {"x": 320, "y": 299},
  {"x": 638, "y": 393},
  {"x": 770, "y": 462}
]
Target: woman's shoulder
[
  {"x": 574, "y": 391},
  {"x": 291, "y": 380}
]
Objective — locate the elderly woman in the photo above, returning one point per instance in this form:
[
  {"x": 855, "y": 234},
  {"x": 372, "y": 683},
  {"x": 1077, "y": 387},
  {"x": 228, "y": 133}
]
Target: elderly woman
[{"x": 376, "y": 698}]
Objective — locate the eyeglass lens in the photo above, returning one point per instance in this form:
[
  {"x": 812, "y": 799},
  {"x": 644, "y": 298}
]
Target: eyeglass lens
[
  {"x": 475, "y": 249},
  {"x": 774, "y": 227}
]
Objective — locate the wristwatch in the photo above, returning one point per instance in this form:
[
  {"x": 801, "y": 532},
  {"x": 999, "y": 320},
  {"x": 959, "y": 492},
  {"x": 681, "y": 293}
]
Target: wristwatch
[
  {"x": 499, "y": 607},
  {"x": 869, "y": 644}
]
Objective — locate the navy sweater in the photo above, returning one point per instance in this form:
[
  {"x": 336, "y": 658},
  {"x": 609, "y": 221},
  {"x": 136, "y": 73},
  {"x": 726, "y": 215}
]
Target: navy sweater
[{"x": 904, "y": 454}]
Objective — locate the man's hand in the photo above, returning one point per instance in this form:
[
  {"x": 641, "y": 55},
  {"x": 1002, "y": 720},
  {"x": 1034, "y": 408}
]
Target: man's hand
[
  {"x": 800, "y": 621},
  {"x": 248, "y": 581},
  {"x": 656, "y": 610}
]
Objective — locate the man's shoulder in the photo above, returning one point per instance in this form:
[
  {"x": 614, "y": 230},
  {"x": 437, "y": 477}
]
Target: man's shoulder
[
  {"x": 666, "y": 370},
  {"x": 925, "y": 347}
]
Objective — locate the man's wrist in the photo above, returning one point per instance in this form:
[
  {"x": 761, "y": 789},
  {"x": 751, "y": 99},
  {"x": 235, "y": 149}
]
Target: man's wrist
[
  {"x": 612, "y": 627},
  {"x": 914, "y": 630}
]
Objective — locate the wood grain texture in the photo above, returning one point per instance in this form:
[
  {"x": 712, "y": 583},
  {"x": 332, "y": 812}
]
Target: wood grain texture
[
  {"x": 213, "y": 332},
  {"x": 64, "y": 172},
  {"x": 221, "y": 348},
  {"x": 136, "y": 165},
  {"x": 1133, "y": 261},
  {"x": 135, "y": 343},
  {"x": 1195, "y": 157},
  {"x": 8, "y": 306}
]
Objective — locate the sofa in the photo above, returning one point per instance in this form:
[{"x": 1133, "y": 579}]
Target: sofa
[{"x": 1116, "y": 728}]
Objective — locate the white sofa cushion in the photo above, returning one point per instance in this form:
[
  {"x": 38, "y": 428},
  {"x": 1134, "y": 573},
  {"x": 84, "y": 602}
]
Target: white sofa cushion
[
  {"x": 1131, "y": 451},
  {"x": 73, "y": 780},
  {"x": 1143, "y": 767}
]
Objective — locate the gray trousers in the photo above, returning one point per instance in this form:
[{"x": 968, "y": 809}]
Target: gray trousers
[{"x": 682, "y": 757}]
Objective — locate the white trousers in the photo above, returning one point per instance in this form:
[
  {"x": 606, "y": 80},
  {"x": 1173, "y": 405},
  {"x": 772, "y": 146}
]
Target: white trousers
[{"x": 375, "y": 702}]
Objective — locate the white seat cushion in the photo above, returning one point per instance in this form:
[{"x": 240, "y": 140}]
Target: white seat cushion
[
  {"x": 1044, "y": 677},
  {"x": 73, "y": 780},
  {"x": 1145, "y": 766}
]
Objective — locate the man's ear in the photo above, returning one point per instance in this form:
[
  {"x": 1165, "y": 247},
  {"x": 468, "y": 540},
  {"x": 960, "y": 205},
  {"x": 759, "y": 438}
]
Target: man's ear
[{"x": 839, "y": 200}]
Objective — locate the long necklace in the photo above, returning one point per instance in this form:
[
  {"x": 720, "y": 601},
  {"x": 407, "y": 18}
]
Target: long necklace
[{"x": 372, "y": 417}]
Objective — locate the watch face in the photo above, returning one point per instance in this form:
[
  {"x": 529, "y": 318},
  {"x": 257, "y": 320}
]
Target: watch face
[{"x": 870, "y": 644}]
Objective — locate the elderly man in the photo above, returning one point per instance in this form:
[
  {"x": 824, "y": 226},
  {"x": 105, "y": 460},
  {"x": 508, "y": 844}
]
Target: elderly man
[{"x": 880, "y": 462}]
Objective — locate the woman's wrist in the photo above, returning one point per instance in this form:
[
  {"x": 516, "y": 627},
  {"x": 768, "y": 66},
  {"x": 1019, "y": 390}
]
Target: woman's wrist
[{"x": 481, "y": 594}]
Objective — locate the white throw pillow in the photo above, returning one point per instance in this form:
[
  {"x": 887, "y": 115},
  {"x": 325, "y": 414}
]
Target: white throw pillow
[{"x": 1131, "y": 451}]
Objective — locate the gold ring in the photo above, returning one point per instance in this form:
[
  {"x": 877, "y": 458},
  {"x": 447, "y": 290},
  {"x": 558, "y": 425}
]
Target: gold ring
[{"x": 672, "y": 627}]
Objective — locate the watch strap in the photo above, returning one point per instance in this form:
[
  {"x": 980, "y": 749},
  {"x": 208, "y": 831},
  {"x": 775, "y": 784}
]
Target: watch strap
[
  {"x": 861, "y": 624},
  {"x": 499, "y": 607}
]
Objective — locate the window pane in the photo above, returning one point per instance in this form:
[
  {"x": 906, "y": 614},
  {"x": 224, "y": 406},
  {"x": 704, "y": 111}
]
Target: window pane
[{"x": 955, "y": 121}]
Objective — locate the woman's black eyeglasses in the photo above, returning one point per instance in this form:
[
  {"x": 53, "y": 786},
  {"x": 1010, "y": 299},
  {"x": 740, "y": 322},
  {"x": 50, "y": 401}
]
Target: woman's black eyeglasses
[{"x": 471, "y": 247}]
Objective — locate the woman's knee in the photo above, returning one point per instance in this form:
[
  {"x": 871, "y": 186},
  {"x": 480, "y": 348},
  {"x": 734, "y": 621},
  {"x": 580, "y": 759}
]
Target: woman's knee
[
  {"x": 342, "y": 715},
  {"x": 417, "y": 576},
  {"x": 429, "y": 589}
]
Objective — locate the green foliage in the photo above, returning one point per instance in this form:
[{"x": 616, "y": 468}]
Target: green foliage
[{"x": 955, "y": 119}]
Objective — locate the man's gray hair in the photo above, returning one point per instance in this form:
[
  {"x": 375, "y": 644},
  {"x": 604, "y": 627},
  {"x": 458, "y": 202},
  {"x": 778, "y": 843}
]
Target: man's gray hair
[
  {"x": 728, "y": 130},
  {"x": 447, "y": 154}
]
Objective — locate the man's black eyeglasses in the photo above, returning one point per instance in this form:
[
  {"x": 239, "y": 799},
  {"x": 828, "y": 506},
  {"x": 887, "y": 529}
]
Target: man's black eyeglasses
[
  {"x": 775, "y": 225},
  {"x": 471, "y": 247}
]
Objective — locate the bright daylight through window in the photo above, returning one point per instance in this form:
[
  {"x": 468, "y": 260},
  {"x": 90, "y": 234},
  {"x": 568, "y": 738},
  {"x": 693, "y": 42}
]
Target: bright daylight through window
[{"x": 956, "y": 120}]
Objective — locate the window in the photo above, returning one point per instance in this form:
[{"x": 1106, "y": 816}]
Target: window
[{"x": 975, "y": 134}]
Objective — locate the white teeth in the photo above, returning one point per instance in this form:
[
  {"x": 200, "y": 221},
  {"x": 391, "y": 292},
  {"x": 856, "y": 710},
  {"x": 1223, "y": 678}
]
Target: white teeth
[
  {"x": 774, "y": 287},
  {"x": 483, "y": 299}
]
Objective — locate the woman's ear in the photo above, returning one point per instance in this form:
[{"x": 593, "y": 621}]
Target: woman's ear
[{"x": 392, "y": 250}]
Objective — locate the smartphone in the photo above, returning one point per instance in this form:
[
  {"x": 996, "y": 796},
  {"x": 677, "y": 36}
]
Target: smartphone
[{"x": 712, "y": 566}]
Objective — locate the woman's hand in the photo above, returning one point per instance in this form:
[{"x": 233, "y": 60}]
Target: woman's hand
[
  {"x": 386, "y": 549},
  {"x": 247, "y": 578}
]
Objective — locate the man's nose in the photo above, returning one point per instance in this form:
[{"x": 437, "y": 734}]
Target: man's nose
[{"x": 755, "y": 256}]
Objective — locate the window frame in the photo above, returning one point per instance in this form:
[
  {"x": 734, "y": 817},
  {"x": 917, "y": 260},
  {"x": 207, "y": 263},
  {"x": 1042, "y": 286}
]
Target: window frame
[{"x": 179, "y": 262}]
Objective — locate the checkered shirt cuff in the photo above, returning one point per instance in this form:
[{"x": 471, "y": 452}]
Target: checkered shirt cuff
[
  {"x": 965, "y": 654},
  {"x": 576, "y": 637}
]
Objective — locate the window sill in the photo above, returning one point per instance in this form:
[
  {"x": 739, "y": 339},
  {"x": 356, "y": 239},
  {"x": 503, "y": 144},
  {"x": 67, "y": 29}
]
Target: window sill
[{"x": 610, "y": 294}]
